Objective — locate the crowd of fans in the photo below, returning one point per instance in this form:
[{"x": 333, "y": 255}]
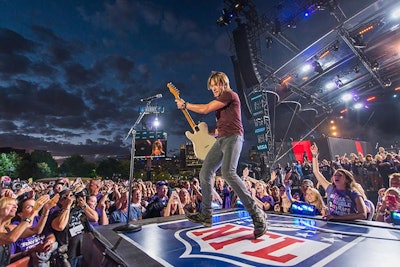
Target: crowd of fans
[{"x": 47, "y": 221}]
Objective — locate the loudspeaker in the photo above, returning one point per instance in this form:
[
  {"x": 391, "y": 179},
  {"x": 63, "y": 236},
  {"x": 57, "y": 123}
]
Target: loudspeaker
[
  {"x": 244, "y": 56},
  {"x": 240, "y": 89}
]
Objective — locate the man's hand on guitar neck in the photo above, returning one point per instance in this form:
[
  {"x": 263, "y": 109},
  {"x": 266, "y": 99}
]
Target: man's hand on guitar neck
[{"x": 180, "y": 103}]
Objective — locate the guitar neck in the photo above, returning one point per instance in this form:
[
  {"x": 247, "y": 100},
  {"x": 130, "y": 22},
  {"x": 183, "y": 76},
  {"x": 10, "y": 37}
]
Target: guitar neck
[{"x": 189, "y": 119}]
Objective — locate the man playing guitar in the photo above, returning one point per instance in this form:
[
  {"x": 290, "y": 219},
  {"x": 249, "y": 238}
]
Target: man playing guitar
[{"x": 225, "y": 152}]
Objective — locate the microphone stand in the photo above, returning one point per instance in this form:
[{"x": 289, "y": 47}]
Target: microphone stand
[{"x": 128, "y": 228}]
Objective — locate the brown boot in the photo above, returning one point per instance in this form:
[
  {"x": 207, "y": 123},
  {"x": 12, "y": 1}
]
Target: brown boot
[{"x": 260, "y": 223}]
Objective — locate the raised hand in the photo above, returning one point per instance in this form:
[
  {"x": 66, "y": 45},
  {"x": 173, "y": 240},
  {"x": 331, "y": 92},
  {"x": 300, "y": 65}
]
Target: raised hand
[
  {"x": 246, "y": 172},
  {"x": 273, "y": 176},
  {"x": 314, "y": 149},
  {"x": 52, "y": 202},
  {"x": 39, "y": 203}
]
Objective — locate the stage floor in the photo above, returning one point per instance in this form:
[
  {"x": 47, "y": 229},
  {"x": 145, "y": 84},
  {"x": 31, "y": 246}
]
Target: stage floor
[{"x": 290, "y": 241}]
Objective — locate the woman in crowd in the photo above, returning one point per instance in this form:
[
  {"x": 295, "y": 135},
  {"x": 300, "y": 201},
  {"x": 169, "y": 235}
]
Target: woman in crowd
[
  {"x": 368, "y": 203},
  {"x": 223, "y": 191},
  {"x": 120, "y": 215},
  {"x": 188, "y": 204},
  {"x": 284, "y": 204},
  {"x": 40, "y": 245},
  {"x": 263, "y": 199},
  {"x": 275, "y": 194},
  {"x": 344, "y": 202},
  {"x": 138, "y": 200},
  {"x": 174, "y": 206},
  {"x": 10, "y": 233},
  {"x": 390, "y": 203},
  {"x": 311, "y": 197},
  {"x": 100, "y": 208}
]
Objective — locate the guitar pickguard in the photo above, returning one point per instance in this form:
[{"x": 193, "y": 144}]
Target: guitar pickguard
[{"x": 202, "y": 140}]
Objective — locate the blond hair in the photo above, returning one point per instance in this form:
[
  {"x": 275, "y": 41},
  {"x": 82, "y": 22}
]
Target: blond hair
[
  {"x": 318, "y": 202},
  {"x": 4, "y": 201},
  {"x": 218, "y": 77}
]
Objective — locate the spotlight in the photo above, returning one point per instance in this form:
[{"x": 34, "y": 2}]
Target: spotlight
[
  {"x": 335, "y": 46},
  {"x": 156, "y": 122},
  {"x": 358, "y": 105},
  {"x": 292, "y": 24},
  {"x": 338, "y": 83},
  {"x": 367, "y": 29},
  {"x": 317, "y": 67},
  {"x": 375, "y": 66},
  {"x": 387, "y": 83},
  {"x": 285, "y": 80},
  {"x": 346, "y": 97},
  {"x": 358, "y": 42},
  {"x": 238, "y": 5},
  {"x": 226, "y": 18},
  {"x": 324, "y": 54}
]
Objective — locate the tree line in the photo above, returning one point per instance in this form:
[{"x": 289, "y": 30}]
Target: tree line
[{"x": 41, "y": 164}]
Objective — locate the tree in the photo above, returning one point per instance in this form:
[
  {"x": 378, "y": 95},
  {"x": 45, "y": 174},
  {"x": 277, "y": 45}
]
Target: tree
[
  {"x": 110, "y": 168},
  {"x": 9, "y": 164},
  {"x": 26, "y": 167},
  {"x": 73, "y": 166},
  {"x": 42, "y": 159},
  {"x": 43, "y": 170}
]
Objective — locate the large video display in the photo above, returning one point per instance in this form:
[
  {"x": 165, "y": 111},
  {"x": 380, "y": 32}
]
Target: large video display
[{"x": 150, "y": 144}]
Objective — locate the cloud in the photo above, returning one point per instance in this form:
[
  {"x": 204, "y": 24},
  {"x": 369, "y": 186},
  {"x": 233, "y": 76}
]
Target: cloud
[
  {"x": 77, "y": 74},
  {"x": 14, "y": 64},
  {"x": 12, "y": 42},
  {"x": 122, "y": 17}
]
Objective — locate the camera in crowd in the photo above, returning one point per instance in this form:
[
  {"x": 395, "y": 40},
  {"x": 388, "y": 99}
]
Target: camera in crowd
[
  {"x": 81, "y": 193},
  {"x": 17, "y": 185}
]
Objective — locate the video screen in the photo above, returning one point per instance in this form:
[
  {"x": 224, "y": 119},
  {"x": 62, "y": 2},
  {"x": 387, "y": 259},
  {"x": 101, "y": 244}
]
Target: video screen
[{"x": 150, "y": 144}]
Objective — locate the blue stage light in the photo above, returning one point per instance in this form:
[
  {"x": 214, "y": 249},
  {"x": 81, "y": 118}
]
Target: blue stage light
[
  {"x": 303, "y": 209},
  {"x": 395, "y": 217}
]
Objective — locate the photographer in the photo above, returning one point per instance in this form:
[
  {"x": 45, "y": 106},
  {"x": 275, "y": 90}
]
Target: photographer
[{"x": 69, "y": 221}]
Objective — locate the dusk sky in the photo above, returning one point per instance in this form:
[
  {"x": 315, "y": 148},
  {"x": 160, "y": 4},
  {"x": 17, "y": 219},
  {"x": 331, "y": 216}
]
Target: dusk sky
[{"x": 72, "y": 73}]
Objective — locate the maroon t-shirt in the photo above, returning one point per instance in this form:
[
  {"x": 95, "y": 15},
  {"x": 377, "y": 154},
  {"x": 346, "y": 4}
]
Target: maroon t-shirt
[{"x": 229, "y": 118}]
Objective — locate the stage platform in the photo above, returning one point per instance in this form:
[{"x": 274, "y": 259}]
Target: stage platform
[{"x": 290, "y": 241}]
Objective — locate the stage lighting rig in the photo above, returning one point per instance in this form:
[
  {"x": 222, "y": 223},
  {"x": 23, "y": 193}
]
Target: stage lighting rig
[
  {"x": 234, "y": 9},
  {"x": 375, "y": 65},
  {"x": 358, "y": 42},
  {"x": 317, "y": 67},
  {"x": 226, "y": 18}
]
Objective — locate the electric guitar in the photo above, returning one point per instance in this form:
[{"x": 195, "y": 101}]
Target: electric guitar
[{"x": 201, "y": 139}]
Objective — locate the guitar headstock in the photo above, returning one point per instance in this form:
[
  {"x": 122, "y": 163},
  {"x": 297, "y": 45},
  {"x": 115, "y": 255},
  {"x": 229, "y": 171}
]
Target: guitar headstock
[{"x": 173, "y": 90}]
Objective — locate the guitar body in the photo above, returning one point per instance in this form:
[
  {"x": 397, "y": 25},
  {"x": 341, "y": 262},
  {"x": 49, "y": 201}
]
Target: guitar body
[{"x": 202, "y": 140}]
